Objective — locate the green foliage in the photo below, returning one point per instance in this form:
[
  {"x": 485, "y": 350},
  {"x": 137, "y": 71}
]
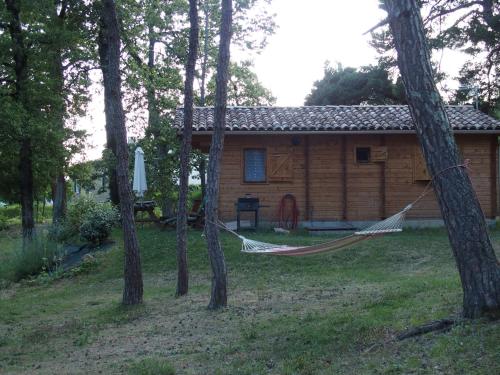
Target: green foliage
[
  {"x": 38, "y": 256},
  {"x": 85, "y": 218},
  {"x": 151, "y": 366},
  {"x": 54, "y": 86},
  {"x": 472, "y": 27},
  {"x": 11, "y": 214},
  {"x": 3, "y": 221},
  {"x": 155, "y": 80},
  {"x": 244, "y": 88},
  {"x": 89, "y": 264},
  {"x": 349, "y": 86},
  {"x": 98, "y": 223}
]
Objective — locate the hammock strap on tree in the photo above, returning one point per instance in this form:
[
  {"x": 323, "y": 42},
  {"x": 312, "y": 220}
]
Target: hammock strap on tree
[{"x": 392, "y": 224}]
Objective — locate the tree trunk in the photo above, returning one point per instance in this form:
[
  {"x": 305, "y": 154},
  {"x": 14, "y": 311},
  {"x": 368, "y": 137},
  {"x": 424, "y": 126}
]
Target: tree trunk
[
  {"x": 59, "y": 194},
  {"x": 21, "y": 96},
  {"x": 202, "y": 170},
  {"x": 111, "y": 141},
  {"x": 154, "y": 121},
  {"x": 26, "y": 188},
  {"x": 462, "y": 214},
  {"x": 182, "y": 266},
  {"x": 109, "y": 53},
  {"x": 218, "y": 296},
  {"x": 202, "y": 164},
  {"x": 59, "y": 205},
  {"x": 114, "y": 194}
]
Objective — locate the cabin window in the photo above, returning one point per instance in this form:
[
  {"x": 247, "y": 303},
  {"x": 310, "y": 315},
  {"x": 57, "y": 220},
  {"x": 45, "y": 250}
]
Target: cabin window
[
  {"x": 255, "y": 165},
  {"x": 363, "y": 154}
]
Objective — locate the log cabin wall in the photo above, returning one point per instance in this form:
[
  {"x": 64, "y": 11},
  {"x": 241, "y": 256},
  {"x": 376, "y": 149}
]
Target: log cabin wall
[{"x": 396, "y": 181}]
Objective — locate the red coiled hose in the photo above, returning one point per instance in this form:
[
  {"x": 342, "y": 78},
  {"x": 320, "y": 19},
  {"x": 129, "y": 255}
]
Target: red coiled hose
[{"x": 288, "y": 214}]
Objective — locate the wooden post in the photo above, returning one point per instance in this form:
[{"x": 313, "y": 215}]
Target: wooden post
[
  {"x": 383, "y": 164},
  {"x": 344, "y": 176},
  {"x": 307, "y": 176},
  {"x": 494, "y": 175}
]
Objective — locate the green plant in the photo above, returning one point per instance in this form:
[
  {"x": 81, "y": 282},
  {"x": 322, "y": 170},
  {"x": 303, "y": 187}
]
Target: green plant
[
  {"x": 78, "y": 209},
  {"x": 90, "y": 263},
  {"x": 40, "y": 256},
  {"x": 98, "y": 223},
  {"x": 87, "y": 219},
  {"x": 3, "y": 222}
]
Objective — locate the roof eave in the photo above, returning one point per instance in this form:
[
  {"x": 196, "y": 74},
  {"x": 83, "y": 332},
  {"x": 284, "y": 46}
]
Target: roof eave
[{"x": 351, "y": 132}]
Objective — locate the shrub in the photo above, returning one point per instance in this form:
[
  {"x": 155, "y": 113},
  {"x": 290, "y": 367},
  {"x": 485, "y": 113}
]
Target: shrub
[
  {"x": 87, "y": 219},
  {"x": 78, "y": 209},
  {"x": 40, "y": 255},
  {"x": 98, "y": 223},
  {"x": 3, "y": 222}
]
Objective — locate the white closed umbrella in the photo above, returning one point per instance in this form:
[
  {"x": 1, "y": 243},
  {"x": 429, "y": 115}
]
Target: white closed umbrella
[{"x": 139, "y": 186}]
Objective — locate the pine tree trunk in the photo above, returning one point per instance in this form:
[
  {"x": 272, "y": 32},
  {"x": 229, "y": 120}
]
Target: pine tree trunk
[
  {"x": 154, "y": 120},
  {"x": 476, "y": 261},
  {"x": 59, "y": 205},
  {"x": 202, "y": 164},
  {"x": 218, "y": 296},
  {"x": 202, "y": 170},
  {"x": 111, "y": 141},
  {"x": 59, "y": 194},
  {"x": 26, "y": 188},
  {"x": 21, "y": 96},
  {"x": 114, "y": 194},
  {"x": 109, "y": 53},
  {"x": 182, "y": 265}
]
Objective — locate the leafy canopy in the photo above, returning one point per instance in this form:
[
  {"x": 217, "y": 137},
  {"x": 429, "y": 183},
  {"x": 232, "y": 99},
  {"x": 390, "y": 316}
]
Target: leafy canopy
[{"x": 351, "y": 86}]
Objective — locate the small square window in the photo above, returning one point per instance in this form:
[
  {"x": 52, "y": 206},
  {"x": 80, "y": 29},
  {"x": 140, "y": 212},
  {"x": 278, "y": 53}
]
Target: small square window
[
  {"x": 363, "y": 154},
  {"x": 255, "y": 165}
]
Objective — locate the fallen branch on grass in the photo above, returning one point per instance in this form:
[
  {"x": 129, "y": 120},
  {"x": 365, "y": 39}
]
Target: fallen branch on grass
[
  {"x": 437, "y": 325},
  {"x": 442, "y": 325}
]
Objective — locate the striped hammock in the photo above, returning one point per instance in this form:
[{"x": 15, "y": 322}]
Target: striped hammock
[{"x": 392, "y": 224}]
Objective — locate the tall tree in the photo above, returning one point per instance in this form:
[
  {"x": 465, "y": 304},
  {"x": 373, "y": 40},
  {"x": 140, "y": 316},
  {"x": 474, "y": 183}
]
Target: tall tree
[
  {"x": 252, "y": 24},
  {"x": 218, "y": 297},
  {"x": 350, "y": 86},
  {"x": 182, "y": 266},
  {"x": 71, "y": 57},
  {"x": 476, "y": 261},
  {"x": 469, "y": 26},
  {"x": 34, "y": 99},
  {"x": 109, "y": 55},
  {"x": 21, "y": 96},
  {"x": 154, "y": 36}
]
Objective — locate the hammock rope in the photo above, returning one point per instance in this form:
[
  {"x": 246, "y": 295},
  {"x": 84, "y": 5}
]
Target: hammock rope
[{"x": 392, "y": 224}]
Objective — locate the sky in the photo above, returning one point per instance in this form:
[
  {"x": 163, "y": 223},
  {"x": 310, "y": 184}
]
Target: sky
[{"x": 309, "y": 33}]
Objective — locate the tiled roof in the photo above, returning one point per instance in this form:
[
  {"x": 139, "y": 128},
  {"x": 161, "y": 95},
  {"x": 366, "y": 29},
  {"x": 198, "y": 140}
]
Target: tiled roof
[{"x": 332, "y": 118}]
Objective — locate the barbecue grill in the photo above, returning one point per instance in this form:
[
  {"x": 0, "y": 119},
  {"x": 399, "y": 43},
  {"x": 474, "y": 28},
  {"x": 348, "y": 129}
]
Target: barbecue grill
[{"x": 247, "y": 204}]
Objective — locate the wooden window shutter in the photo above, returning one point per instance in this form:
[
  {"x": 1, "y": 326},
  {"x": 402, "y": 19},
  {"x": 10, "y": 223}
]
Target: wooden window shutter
[
  {"x": 280, "y": 168},
  {"x": 420, "y": 172}
]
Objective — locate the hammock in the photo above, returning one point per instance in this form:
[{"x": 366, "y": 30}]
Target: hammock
[{"x": 392, "y": 224}]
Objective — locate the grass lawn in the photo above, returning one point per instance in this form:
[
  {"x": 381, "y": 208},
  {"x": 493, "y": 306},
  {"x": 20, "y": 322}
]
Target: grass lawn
[{"x": 326, "y": 314}]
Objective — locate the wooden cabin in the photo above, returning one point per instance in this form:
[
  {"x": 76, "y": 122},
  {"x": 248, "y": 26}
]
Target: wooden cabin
[{"x": 342, "y": 164}]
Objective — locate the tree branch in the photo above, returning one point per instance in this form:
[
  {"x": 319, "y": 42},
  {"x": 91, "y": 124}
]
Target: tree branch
[
  {"x": 437, "y": 325},
  {"x": 380, "y": 24},
  {"x": 443, "y": 12}
]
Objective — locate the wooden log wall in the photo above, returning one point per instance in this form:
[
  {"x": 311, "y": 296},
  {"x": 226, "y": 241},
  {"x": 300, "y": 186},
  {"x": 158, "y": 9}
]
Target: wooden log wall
[{"x": 330, "y": 185}]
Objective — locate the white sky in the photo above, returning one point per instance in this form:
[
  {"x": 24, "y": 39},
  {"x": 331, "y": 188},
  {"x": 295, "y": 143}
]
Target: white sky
[{"x": 309, "y": 33}]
